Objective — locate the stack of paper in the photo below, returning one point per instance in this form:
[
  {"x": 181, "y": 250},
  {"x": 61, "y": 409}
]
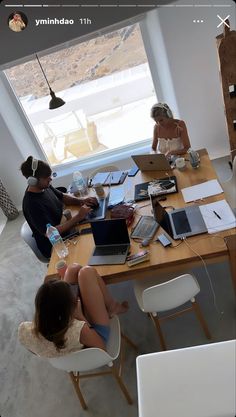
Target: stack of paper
[
  {"x": 199, "y": 191},
  {"x": 218, "y": 216}
]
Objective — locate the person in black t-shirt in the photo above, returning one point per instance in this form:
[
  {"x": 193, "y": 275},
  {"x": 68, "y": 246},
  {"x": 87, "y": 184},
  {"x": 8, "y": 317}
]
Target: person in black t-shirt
[{"x": 43, "y": 204}]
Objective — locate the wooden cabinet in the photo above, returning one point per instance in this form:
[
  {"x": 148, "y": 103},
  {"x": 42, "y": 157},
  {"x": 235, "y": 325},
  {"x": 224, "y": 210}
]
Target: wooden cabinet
[{"x": 226, "y": 45}]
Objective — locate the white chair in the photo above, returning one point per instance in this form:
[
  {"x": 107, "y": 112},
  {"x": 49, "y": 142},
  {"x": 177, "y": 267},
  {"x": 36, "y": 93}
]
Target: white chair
[
  {"x": 105, "y": 168},
  {"x": 90, "y": 359},
  {"x": 229, "y": 187},
  {"x": 153, "y": 298},
  {"x": 26, "y": 234}
]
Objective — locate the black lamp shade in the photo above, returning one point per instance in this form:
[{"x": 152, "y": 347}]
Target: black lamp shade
[{"x": 55, "y": 101}]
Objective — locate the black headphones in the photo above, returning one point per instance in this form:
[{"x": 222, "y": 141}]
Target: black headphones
[{"x": 32, "y": 180}]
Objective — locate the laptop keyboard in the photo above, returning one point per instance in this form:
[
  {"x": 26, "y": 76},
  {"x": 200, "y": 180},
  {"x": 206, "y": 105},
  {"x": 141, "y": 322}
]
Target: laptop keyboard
[
  {"x": 181, "y": 222},
  {"x": 110, "y": 250},
  {"x": 97, "y": 211}
]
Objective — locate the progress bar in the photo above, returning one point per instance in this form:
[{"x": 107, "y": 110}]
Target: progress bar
[{"x": 117, "y": 5}]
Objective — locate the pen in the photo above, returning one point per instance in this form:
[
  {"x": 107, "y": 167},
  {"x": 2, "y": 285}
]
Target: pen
[{"x": 217, "y": 215}]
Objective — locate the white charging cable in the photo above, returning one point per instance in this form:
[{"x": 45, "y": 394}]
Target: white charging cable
[{"x": 207, "y": 273}]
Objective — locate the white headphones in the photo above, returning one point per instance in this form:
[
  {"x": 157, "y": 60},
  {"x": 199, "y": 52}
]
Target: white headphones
[
  {"x": 32, "y": 180},
  {"x": 163, "y": 106},
  {"x": 168, "y": 111}
]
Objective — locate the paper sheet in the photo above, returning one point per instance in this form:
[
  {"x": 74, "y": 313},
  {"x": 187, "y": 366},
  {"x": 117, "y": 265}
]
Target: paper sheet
[
  {"x": 205, "y": 189},
  {"x": 221, "y": 208}
]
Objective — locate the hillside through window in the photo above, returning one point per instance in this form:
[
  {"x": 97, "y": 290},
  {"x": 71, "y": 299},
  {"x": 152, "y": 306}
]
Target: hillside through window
[{"x": 108, "y": 90}]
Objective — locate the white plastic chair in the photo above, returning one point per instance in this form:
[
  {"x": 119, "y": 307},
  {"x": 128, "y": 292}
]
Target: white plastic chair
[
  {"x": 105, "y": 168},
  {"x": 229, "y": 187},
  {"x": 153, "y": 298},
  {"x": 26, "y": 234},
  {"x": 90, "y": 359}
]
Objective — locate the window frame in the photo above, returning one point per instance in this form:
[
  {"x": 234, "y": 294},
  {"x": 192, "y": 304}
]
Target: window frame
[{"x": 86, "y": 162}]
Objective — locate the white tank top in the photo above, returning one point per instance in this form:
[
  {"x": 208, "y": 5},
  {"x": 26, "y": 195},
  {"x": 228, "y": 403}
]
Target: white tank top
[{"x": 168, "y": 145}]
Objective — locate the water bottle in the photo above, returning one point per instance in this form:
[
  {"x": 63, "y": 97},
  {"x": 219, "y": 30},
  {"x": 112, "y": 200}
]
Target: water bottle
[
  {"x": 194, "y": 158},
  {"x": 56, "y": 241},
  {"x": 79, "y": 184}
]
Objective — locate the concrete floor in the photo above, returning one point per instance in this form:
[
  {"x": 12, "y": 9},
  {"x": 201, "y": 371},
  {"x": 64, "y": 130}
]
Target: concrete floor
[{"x": 30, "y": 387}]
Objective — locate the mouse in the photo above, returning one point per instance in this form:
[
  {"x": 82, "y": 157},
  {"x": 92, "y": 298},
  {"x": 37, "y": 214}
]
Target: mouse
[{"x": 145, "y": 242}]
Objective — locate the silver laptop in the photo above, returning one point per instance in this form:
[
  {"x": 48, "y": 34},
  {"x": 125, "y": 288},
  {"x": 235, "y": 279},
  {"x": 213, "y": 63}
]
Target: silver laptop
[
  {"x": 179, "y": 223},
  {"x": 99, "y": 212},
  {"x": 152, "y": 162},
  {"x": 112, "y": 242}
]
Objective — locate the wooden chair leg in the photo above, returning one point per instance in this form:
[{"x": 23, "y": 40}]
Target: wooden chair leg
[
  {"x": 129, "y": 342},
  {"x": 201, "y": 319},
  {"x": 159, "y": 331},
  {"x": 121, "y": 384},
  {"x": 75, "y": 382}
]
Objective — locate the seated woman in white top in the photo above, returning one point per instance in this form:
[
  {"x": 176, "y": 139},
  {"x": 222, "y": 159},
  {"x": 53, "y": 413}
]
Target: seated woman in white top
[
  {"x": 70, "y": 314},
  {"x": 170, "y": 135}
]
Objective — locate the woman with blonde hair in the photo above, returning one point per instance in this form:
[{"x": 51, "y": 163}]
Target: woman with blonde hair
[{"x": 170, "y": 135}]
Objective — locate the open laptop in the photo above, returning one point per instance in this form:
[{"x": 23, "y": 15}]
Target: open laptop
[
  {"x": 179, "y": 223},
  {"x": 112, "y": 242},
  {"x": 152, "y": 162},
  {"x": 99, "y": 212}
]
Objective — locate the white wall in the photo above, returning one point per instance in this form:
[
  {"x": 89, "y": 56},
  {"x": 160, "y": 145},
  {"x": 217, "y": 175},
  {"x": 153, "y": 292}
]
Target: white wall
[
  {"x": 10, "y": 160},
  {"x": 16, "y": 144},
  {"x": 185, "y": 56}
]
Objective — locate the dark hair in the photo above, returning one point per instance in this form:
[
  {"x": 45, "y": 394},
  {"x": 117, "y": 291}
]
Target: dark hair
[
  {"x": 43, "y": 170},
  {"x": 54, "y": 308}
]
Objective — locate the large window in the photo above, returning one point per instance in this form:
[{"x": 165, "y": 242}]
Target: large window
[{"x": 108, "y": 90}]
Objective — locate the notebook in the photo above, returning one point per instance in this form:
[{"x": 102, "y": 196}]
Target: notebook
[
  {"x": 99, "y": 212},
  {"x": 161, "y": 186},
  {"x": 112, "y": 242},
  {"x": 152, "y": 162},
  {"x": 199, "y": 191},
  {"x": 218, "y": 216},
  {"x": 179, "y": 223}
]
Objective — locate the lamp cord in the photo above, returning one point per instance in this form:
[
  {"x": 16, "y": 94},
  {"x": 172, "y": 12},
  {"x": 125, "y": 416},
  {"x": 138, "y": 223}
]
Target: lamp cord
[{"x": 43, "y": 72}]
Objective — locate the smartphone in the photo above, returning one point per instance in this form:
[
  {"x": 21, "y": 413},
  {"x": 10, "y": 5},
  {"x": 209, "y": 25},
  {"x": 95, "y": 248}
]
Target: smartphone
[
  {"x": 164, "y": 240},
  {"x": 133, "y": 171}
]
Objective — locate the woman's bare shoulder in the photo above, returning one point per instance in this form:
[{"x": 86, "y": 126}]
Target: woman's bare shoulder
[{"x": 180, "y": 123}]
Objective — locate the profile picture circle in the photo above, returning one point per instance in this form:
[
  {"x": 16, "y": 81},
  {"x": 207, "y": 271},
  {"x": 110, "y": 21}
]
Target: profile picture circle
[{"x": 17, "y": 21}]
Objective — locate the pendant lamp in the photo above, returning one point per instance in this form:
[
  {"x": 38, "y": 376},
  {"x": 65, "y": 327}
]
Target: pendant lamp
[{"x": 55, "y": 101}]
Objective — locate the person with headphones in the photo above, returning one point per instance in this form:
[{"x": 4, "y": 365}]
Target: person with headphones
[
  {"x": 170, "y": 136},
  {"x": 43, "y": 204}
]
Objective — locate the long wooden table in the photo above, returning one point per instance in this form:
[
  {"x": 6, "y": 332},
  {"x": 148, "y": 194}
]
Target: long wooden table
[{"x": 177, "y": 258}]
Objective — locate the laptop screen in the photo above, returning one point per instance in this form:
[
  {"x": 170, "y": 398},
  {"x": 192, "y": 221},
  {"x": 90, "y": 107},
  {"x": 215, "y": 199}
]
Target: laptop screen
[
  {"x": 161, "y": 216},
  {"x": 110, "y": 232}
]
